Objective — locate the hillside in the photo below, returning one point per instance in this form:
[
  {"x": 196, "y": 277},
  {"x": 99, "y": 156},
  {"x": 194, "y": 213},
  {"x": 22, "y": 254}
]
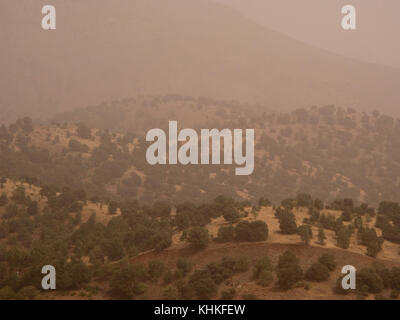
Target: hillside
[
  {"x": 327, "y": 151},
  {"x": 103, "y": 51},
  {"x": 134, "y": 251},
  {"x": 244, "y": 284},
  {"x": 80, "y": 189}
]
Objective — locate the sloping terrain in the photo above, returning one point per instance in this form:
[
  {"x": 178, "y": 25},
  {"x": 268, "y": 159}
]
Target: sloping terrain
[
  {"x": 329, "y": 152},
  {"x": 244, "y": 284},
  {"x": 100, "y": 253},
  {"x": 103, "y": 51}
]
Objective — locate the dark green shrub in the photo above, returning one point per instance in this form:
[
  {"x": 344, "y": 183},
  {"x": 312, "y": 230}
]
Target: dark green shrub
[
  {"x": 369, "y": 278},
  {"x": 251, "y": 231},
  {"x": 288, "y": 270},
  {"x": 198, "y": 238},
  {"x": 317, "y": 272},
  {"x": 328, "y": 260}
]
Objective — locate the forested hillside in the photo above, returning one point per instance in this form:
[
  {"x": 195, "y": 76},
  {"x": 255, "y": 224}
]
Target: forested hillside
[
  {"x": 98, "y": 184},
  {"x": 221, "y": 249},
  {"x": 327, "y": 151}
]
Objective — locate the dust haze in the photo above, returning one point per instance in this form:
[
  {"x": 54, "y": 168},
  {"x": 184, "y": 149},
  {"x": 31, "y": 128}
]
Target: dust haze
[
  {"x": 316, "y": 22},
  {"x": 199, "y": 149},
  {"x": 102, "y": 51}
]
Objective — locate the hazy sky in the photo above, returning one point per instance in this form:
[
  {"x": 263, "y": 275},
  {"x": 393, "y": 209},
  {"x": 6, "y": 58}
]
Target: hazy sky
[
  {"x": 107, "y": 50},
  {"x": 376, "y": 40}
]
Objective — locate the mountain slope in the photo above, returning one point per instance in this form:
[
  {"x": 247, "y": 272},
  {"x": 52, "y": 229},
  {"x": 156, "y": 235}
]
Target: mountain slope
[
  {"x": 328, "y": 152},
  {"x": 93, "y": 246},
  {"x": 103, "y": 51},
  {"x": 319, "y": 23}
]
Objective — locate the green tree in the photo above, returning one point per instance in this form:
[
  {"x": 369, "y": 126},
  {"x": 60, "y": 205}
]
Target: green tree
[
  {"x": 155, "y": 269},
  {"x": 371, "y": 240},
  {"x": 347, "y": 214},
  {"x": 263, "y": 202},
  {"x": 251, "y": 231},
  {"x": 226, "y": 234},
  {"x": 287, "y": 222},
  {"x": 203, "y": 284},
  {"x": 369, "y": 278},
  {"x": 343, "y": 238},
  {"x": 127, "y": 282},
  {"x": 288, "y": 270},
  {"x": 328, "y": 260},
  {"x": 321, "y": 236},
  {"x": 198, "y": 238},
  {"x": 305, "y": 233},
  {"x": 112, "y": 207},
  {"x": 76, "y": 146},
  {"x": 263, "y": 272},
  {"x": 314, "y": 215},
  {"x": 261, "y": 265},
  {"x": 317, "y": 272},
  {"x": 83, "y": 131},
  {"x": 113, "y": 248},
  {"x": 304, "y": 200},
  {"x": 230, "y": 214},
  {"x": 184, "y": 266}
]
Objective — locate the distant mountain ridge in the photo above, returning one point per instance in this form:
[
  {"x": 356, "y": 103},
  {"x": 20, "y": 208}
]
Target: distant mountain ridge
[{"x": 104, "y": 51}]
